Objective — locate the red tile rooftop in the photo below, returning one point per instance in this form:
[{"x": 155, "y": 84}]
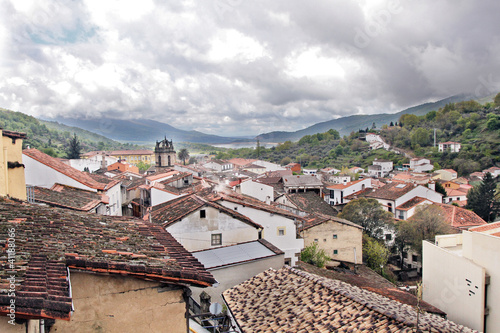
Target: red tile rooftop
[
  {"x": 53, "y": 238},
  {"x": 92, "y": 181}
]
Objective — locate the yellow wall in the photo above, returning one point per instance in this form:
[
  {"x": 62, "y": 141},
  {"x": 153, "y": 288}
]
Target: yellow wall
[
  {"x": 12, "y": 181},
  {"x": 348, "y": 238},
  {"x": 134, "y": 159},
  {"x": 105, "y": 303}
]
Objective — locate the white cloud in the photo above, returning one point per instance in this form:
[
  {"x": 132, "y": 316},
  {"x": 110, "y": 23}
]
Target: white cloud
[{"x": 246, "y": 67}]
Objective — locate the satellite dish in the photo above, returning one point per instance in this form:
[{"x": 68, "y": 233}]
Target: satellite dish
[{"x": 215, "y": 308}]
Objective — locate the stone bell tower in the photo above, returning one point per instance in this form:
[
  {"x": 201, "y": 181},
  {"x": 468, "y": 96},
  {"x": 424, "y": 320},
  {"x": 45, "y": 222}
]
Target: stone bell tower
[{"x": 165, "y": 155}]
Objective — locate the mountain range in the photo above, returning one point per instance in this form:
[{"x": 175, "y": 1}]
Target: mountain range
[
  {"x": 346, "y": 125},
  {"x": 143, "y": 131}
]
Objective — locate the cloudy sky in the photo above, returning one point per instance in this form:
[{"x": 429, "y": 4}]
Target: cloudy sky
[{"x": 234, "y": 67}]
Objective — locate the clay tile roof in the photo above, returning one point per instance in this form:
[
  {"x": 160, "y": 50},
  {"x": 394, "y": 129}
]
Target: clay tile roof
[
  {"x": 290, "y": 300},
  {"x": 175, "y": 210},
  {"x": 130, "y": 152},
  {"x": 13, "y": 135},
  {"x": 256, "y": 204},
  {"x": 302, "y": 180},
  {"x": 487, "y": 227},
  {"x": 315, "y": 219},
  {"x": 343, "y": 186},
  {"x": 411, "y": 203},
  {"x": 460, "y": 218},
  {"x": 50, "y": 239},
  {"x": 68, "y": 197},
  {"x": 93, "y": 181},
  {"x": 310, "y": 202},
  {"x": 391, "y": 191}
]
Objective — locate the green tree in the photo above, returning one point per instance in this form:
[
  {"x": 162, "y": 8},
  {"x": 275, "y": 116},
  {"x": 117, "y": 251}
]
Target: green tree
[
  {"x": 427, "y": 222},
  {"x": 440, "y": 189},
  {"x": 481, "y": 199},
  {"x": 375, "y": 254},
  {"x": 369, "y": 214},
  {"x": 405, "y": 233},
  {"x": 420, "y": 136},
  {"x": 183, "y": 155},
  {"x": 142, "y": 166},
  {"x": 286, "y": 160},
  {"x": 313, "y": 255},
  {"x": 496, "y": 100},
  {"x": 74, "y": 148}
]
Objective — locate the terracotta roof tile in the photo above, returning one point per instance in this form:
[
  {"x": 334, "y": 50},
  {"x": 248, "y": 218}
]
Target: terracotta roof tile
[
  {"x": 460, "y": 218},
  {"x": 391, "y": 191},
  {"x": 50, "y": 239},
  {"x": 289, "y": 300},
  {"x": 311, "y": 202},
  {"x": 93, "y": 181},
  {"x": 175, "y": 210},
  {"x": 315, "y": 219},
  {"x": 69, "y": 197}
]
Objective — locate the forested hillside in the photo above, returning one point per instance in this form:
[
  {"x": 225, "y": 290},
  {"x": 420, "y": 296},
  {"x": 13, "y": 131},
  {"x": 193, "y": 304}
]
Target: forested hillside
[
  {"x": 475, "y": 126},
  {"x": 45, "y": 137}
]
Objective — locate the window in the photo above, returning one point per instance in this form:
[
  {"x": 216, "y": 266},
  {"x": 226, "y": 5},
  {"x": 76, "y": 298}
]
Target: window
[
  {"x": 335, "y": 252},
  {"x": 315, "y": 240},
  {"x": 414, "y": 257},
  {"x": 203, "y": 214},
  {"x": 388, "y": 237},
  {"x": 281, "y": 231},
  {"x": 216, "y": 239},
  {"x": 390, "y": 207},
  {"x": 334, "y": 236}
]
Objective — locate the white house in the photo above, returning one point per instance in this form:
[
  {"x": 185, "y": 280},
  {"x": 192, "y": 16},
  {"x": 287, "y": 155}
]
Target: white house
[
  {"x": 461, "y": 275},
  {"x": 199, "y": 224},
  {"x": 44, "y": 171},
  {"x": 279, "y": 226},
  {"x": 447, "y": 174},
  {"x": 219, "y": 165},
  {"x": 376, "y": 141},
  {"x": 338, "y": 192},
  {"x": 386, "y": 166},
  {"x": 453, "y": 147},
  {"x": 269, "y": 166},
  {"x": 419, "y": 164},
  {"x": 93, "y": 163},
  {"x": 256, "y": 189},
  {"x": 395, "y": 194}
]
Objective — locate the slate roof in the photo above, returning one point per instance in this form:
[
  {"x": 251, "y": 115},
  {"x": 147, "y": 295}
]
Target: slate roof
[
  {"x": 290, "y": 300},
  {"x": 315, "y": 219},
  {"x": 175, "y": 210},
  {"x": 91, "y": 180},
  {"x": 69, "y": 197},
  {"x": 310, "y": 202},
  {"x": 50, "y": 240}
]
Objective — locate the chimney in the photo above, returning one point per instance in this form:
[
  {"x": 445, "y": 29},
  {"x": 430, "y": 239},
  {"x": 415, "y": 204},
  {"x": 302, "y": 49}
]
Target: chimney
[{"x": 103, "y": 161}]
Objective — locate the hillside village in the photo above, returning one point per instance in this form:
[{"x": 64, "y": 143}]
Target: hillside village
[{"x": 96, "y": 244}]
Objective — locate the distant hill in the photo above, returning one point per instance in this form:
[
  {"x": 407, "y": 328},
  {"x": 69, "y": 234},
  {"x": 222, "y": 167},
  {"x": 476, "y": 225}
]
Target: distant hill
[
  {"x": 143, "y": 131},
  {"x": 346, "y": 125},
  {"x": 53, "y": 138}
]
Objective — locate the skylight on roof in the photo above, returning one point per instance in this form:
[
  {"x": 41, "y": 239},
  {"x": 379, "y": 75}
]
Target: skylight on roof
[{"x": 400, "y": 186}]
